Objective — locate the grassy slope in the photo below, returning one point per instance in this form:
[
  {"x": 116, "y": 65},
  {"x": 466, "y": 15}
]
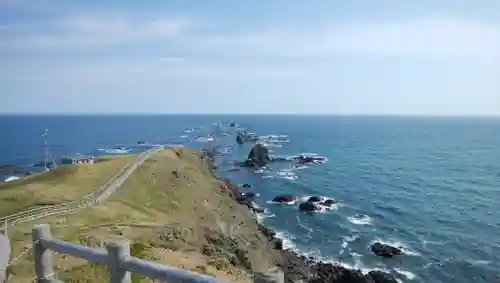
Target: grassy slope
[
  {"x": 174, "y": 212},
  {"x": 65, "y": 183}
]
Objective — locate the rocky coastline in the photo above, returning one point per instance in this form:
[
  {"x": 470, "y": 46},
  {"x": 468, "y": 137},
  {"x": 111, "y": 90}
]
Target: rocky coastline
[
  {"x": 295, "y": 266},
  {"x": 299, "y": 268}
]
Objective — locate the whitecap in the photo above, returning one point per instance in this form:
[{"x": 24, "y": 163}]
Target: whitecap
[
  {"x": 479, "y": 262},
  {"x": 287, "y": 174},
  {"x": 262, "y": 216},
  {"x": 308, "y": 154},
  {"x": 350, "y": 238},
  {"x": 345, "y": 242},
  {"x": 405, "y": 273},
  {"x": 364, "y": 220},
  {"x": 293, "y": 202},
  {"x": 301, "y": 167},
  {"x": 322, "y": 208},
  {"x": 355, "y": 255},
  {"x": 287, "y": 240},
  {"x": 323, "y": 198},
  {"x": 396, "y": 243}
]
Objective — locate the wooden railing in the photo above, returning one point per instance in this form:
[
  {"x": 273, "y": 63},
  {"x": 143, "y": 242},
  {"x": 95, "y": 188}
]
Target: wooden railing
[{"x": 119, "y": 262}]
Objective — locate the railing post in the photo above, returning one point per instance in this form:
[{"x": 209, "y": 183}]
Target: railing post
[
  {"x": 117, "y": 251},
  {"x": 43, "y": 257},
  {"x": 271, "y": 276}
]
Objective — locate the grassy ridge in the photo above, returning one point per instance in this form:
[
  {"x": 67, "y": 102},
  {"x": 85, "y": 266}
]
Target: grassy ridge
[
  {"x": 174, "y": 212},
  {"x": 65, "y": 183}
]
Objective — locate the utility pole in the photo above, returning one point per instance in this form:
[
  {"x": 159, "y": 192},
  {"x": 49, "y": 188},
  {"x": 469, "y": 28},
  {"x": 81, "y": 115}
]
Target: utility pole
[{"x": 47, "y": 157}]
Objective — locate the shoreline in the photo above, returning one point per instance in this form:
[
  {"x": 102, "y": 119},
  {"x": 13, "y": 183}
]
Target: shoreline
[{"x": 296, "y": 265}]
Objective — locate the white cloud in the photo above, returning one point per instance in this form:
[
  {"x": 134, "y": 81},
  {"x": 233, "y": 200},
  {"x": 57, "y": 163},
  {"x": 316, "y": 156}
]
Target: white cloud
[
  {"x": 427, "y": 37},
  {"x": 420, "y": 37}
]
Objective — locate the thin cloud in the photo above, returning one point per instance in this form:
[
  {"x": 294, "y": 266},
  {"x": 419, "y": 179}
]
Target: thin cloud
[
  {"x": 86, "y": 31},
  {"x": 426, "y": 37},
  {"x": 420, "y": 37}
]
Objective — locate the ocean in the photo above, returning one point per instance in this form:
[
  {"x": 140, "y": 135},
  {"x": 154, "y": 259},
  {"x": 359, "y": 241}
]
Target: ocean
[{"x": 429, "y": 185}]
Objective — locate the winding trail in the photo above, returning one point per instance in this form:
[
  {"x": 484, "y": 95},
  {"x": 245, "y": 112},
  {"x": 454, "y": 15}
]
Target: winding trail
[{"x": 97, "y": 196}]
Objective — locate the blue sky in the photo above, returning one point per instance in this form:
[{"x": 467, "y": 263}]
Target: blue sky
[{"x": 428, "y": 57}]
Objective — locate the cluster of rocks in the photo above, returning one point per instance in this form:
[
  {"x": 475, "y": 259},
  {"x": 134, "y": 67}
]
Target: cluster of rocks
[
  {"x": 327, "y": 272},
  {"x": 314, "y": 203},
  {"x": 244, "y": 136},
  {"x": 297, "y": 267},
  {"x": 243, "y": 198}
]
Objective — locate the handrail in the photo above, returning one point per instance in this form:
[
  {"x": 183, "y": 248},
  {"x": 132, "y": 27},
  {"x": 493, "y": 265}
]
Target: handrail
[
  {"x": 92, "y": 198},
  {"x": 119, "y": 261}
]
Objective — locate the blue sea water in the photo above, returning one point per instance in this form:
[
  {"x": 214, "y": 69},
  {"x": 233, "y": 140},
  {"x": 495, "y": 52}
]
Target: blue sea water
[{"x": 431, "y": 185}]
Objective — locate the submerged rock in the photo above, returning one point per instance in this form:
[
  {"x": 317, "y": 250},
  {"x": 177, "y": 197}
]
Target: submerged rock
[
  {"x": 246, "y": 186},
  {"x": 385, "y": 250},
  {"x": 328, "y": 202},
  {"x": 308, "y": 206},
  {"x": 315, "y": 199},
  {"x": 284, "y": 199}
]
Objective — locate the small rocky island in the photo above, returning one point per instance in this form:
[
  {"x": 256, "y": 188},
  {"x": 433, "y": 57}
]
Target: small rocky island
[{"x": 258, "y": 156}]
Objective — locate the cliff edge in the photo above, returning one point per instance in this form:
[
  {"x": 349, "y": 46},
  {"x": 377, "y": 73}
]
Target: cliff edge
[{"x": 175, "y": 211}]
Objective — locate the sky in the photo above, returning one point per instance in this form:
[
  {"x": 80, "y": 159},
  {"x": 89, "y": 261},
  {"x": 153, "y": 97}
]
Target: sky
[{"x": 325, "y": 57}]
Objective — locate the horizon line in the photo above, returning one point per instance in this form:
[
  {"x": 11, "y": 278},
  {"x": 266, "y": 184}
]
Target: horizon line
[{"x": 256, "y": 114}]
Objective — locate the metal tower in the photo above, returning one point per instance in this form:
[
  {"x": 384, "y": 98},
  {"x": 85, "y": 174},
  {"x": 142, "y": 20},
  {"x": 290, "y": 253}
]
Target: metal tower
[{"x": 48, "y": 157}]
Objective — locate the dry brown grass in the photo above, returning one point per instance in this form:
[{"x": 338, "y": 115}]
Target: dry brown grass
[
  {"x": 65, "y": 183},
  {"x": 173, "y": 191}
]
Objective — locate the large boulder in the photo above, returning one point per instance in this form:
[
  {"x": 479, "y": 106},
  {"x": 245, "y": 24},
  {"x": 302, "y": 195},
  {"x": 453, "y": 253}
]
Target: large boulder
[
  {"x": 284, "y": 198},
  {"x": 240, "y": 139},
  {"x": 315, "y": 199},
  {"x": 382, "y": 277},
  {"x": 385, "y": 250},
  {"x": 308, "y": 206},
  {"x": 332, "y": 273},
  {"x": 258, "y": 156}
]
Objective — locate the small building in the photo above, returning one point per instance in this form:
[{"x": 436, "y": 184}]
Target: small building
[{"x": 79, "y": 159}]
